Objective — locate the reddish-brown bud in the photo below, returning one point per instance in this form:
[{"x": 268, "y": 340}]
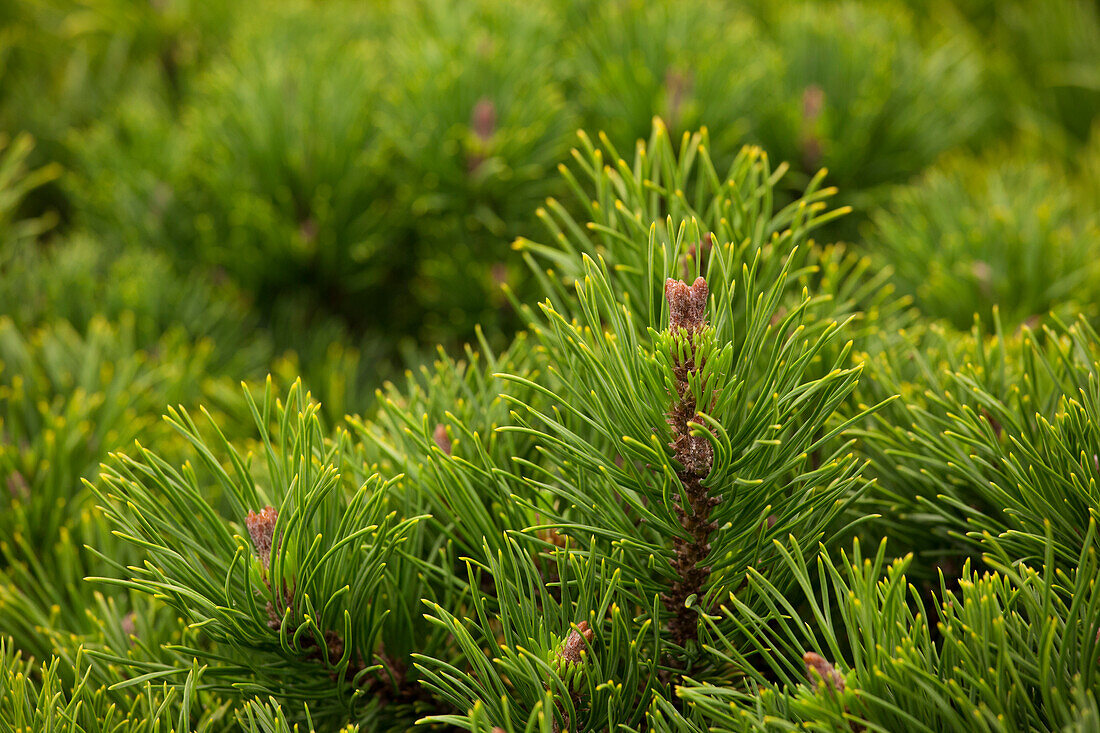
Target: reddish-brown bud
[
  {"x": 813, "y": 102},
  {"x": 441, "y": 438},
  {"x": 483, "y": 120},
  {"x": 817, "y": 665},
  {"x": 678, "y": 85},
  {"x": 686, "y": 305},
  {"x": 993, "y": 422},
  {"x": 578, "y": 640},
  {"x": 261, "y": 527},
  {"x": 307, "y": 230},
  {"x": 17, "y": 486}
]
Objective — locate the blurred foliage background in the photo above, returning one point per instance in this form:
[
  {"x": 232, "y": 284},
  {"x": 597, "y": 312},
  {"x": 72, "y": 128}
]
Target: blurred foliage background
[
  {"x": 332, "y": 189},
  {"x": 337, "y": 184}
]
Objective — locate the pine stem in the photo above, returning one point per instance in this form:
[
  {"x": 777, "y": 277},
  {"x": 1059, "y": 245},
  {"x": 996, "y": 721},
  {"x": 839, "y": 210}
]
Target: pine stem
[{"x": 696, "y": 456}]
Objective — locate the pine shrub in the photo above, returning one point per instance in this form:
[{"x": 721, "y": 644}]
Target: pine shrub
[
  {"x": 630, "y": 518},
  {"x": 856, "y": 91},
  {"x": 974, "y": 235},
  {"x": 698, "y": 467}
]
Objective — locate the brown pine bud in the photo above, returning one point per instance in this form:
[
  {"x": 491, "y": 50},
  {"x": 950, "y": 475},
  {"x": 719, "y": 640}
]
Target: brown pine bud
[
  {"x": 17, "y": 486},
  {"x": 993, "y": 422},
  {"x": 307, "y": 230},
  {"x": 813, "y": 102},
  {"x": 686, "y": 305},
  {"x": 817, "y": 665},
  {"x": 261, "y": 527},
  {"x": 578, "y": 640},
  {"x": 483, "y": 120},
  {"x": 441, "y": 438},
  {"x": 678, "y": 85},
  {"x": 129, "y": 625}
]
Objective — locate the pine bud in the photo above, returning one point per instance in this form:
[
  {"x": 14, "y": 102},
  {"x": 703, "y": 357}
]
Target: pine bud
[
  {"x": 577, "y": 642},
  {"x": 816, "y": 664},
  {"x": 678, "y": 85},
  {"x": 483, "y": 120},
  {"x": 686, "y": 305},
  {"x": 307, "y": 230},
  {"x": 261, "y": 527},
  {"x": 993, "y": 422},
  {"x": 17, "y": 486},
  {"x": 441, "y": 439},
  {"x": 813, "y": 102}
]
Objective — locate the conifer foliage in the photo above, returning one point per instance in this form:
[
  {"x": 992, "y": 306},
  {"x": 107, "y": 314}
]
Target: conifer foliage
[
  {"x": 560, "y": 544},
  {"x": 629, "y": 520},
  {"x": 697, "y": 472}
]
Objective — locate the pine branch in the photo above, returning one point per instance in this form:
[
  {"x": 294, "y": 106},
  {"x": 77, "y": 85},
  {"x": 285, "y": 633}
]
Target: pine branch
[
  {"x": 696, "y": 457},
  {"x": 295, "y": 612}
]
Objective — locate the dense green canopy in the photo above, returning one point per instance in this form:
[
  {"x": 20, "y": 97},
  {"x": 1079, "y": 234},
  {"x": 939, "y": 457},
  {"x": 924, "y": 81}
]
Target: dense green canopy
[{"x": 768, "y": 401}]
